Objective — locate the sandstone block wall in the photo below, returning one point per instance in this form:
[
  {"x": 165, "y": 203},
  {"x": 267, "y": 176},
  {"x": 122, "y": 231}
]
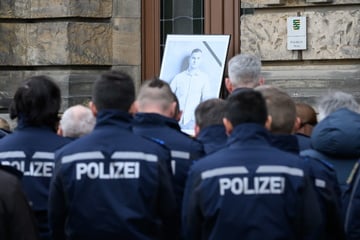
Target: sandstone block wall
[
  {"x": 332, "y": 58},
  {"x": 71, "y": 41}
]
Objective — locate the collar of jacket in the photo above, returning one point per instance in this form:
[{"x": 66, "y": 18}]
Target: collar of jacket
[
  {"x": 113, "y": 117},
  {"x": 155, "y": 119},
  {"x": 249, "y": 134},
  {"x": 285, "y": 142},
  {"x": 213, "y": 132}
]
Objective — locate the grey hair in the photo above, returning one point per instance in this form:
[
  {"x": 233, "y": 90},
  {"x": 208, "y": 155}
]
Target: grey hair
[
  {"x": 77, "y": 121},
  {"x": 244, "y": 69},
  {"x": 335, "y": 100}
]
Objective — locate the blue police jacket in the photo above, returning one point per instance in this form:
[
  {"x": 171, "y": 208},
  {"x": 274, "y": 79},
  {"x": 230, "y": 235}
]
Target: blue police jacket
[
  {"x": 112, "y": 184},
  {"x": 184, "y": 149},
  {"x": 213, "y": 138},
  {"x": 337, "y": 136},
  {"x": 31, "y": 150},
  {"x": 285, "y": 142},
  {"x": 250, "y": 190},
  {"x": 304, "y": 141}
]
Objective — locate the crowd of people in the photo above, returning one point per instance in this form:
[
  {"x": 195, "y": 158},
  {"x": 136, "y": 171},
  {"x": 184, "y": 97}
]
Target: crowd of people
[{"x": 259, "y": 165}]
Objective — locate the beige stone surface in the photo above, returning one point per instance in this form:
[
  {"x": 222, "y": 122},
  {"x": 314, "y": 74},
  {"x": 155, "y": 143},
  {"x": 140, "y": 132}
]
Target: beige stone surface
[
  {"x": 47, "y": 43},
  {"x": 127, "y": 8},
  {"x": 307, "y": 82},
  {"x": 333, "y": 34},
  {"x": 127, "y": 41},
  {"x": 12, "y": 44},
  {"x": 264, "y": 34},
  {"x": 55, "y": 8},
  {"x": 90, "y": 43},
  {"x": 295, "y": 3},
  {"x": 7, "y": 8}
]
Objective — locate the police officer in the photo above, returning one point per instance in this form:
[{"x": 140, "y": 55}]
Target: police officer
[
  {"x": 249, "y": 189},
  {"x": 112, "y": 183},
  {"x": 30, "y": 148},
  {"x": 156, "y": 107},
  {"x": 209, "y": 129}
]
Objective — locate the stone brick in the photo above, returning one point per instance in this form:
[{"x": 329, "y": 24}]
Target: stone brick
[
  {"x": 47, "y": 43},
  {"x": 294, "y": 3},
  {"x": 308, "y": 82},
  {"x": 90, "y": 43},
  {"x": 55, "y": 8},
  {"x": 127, "y": 8},
  {"x": 127, "y": 41},
  {"x": 7, "y": 8},
  {"x": 333, "y": 34},
  {"x": 12, "y": 44},
  {"x": 264, "y": 34}
]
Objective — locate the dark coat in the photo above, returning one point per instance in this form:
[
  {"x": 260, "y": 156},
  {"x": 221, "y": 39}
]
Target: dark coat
[
  {"x": 31, "y": 150},
  {"x": 112, "y": 184},
  {"x": 16, "y": 218},
  {"x": 250, "y": 190}
]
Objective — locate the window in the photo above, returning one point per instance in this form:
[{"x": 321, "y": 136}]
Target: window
[{"x": 181, "y": 17}]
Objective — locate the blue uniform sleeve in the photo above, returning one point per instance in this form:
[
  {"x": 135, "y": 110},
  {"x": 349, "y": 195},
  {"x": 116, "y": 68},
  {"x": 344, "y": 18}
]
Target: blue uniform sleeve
[
  {"x": 311, "y": 219},
  {"x": 191, "y": 214},
  {"x": 57, "y": 207},
  {"x": 167, "y": 203},
  {"x": 352, "y": 205}
]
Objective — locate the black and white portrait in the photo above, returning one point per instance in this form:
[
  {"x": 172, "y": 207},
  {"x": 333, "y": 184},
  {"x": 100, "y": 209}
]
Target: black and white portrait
[{"x": 193, "y": 65}]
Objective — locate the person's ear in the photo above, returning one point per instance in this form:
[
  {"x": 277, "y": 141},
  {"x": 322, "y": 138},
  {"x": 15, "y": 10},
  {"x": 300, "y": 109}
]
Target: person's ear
[
  {"x": 261, "y": 81},
  {"x": 228, "y": 126},
  {"x": 172, "y": 110},
  {"x": 59, "y": 131},
  {"x": 297, "y": 125},
  {"x": 134, "y": 108},
  {"x": 179, "y": 115},
  {"x": 93, "y": 108},
  {"x": 268, "y": 123},
  {"x": 196, "y": 130},
  {"x": 228, "y": 85}
]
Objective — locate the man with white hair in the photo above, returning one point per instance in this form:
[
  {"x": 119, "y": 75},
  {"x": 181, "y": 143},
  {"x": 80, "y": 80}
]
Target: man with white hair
[
  {"x": 244, "y": 72},
  {"x": 76, "y": 121},
  {"x": 333, "y": 101}
]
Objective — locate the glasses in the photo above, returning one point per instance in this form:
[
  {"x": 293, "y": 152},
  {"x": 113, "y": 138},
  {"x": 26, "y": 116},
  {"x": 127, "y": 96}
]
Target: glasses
[{"x": 303, "y": 124}]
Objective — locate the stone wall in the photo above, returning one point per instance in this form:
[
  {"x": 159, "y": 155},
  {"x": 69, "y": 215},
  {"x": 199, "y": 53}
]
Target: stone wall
[
  {"x": 72, "y": 41},
  {"x": 332, "y": 58}
]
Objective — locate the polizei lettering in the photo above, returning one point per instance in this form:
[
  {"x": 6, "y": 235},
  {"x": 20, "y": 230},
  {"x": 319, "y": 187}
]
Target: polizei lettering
[
  {"x": 33, "y": 168},
  {"x": 252, "y": 186},
  {"x": 114, "y": 170}
]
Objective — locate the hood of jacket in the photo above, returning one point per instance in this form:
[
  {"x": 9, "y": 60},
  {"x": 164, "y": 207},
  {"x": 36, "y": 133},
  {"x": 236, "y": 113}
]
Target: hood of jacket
[{"x": 338, "y": 135}]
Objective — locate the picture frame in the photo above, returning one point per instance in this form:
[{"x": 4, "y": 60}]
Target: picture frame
[{"x": 184, "y": 53}]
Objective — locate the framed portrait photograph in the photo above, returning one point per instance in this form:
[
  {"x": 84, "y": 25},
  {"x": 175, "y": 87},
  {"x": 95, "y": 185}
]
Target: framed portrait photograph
[{"x": 194, "y": 66}]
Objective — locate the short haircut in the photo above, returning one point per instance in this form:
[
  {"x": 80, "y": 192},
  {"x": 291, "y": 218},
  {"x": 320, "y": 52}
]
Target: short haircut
[
  {"x": 155, "y": 92},
  {"x": 244, "y": 69},
  {"x": 335, "y": 100},
  {"x": 210, "y": 112},
  {"x": 196, "y": 50},
  {"x": 281, "y": 108},
  {"x": 77, "y": 121},
  {"x": 306, "y": 113},
  {"x": 246, "y": 107},
  {"x": 113, "y": 90},
  {"x": 37, "y": 102}
]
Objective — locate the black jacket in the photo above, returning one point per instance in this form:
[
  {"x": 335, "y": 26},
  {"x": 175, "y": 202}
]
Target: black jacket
[{"x": 16, "y": 218}]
